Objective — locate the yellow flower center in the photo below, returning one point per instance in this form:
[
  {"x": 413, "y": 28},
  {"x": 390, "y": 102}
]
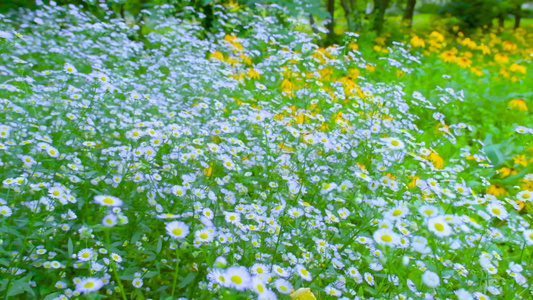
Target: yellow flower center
[
  {"x": 108, "y": 201},
  {"x": 205, "y": 236},
  {"x": 88, "y": 285},
  {"x": 439, "y": 227},
  {"x": 396, "y": 212},
  {"x": 236, "y": 279},
  {"x": 386, "y": 238},
  {"x": 177, "y": 231}
]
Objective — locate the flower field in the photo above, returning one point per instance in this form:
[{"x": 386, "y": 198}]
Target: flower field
[{"x": 262, "y": 165}]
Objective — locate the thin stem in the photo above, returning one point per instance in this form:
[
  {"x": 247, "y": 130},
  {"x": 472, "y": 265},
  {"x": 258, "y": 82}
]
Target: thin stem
[
  {"x": 114, "y": 266},
  {"x": 120, "y": 286},
  {"x": 176, "y": 271}
]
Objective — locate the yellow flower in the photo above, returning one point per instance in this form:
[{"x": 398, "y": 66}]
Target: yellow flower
[
  {"x": 380, "y": 40},
  {"x": 520, "y": 159},
  {"x": 463, "y": 62},
  {"x": 338, "y": 117},
  {"x": 303, "y": 294},
  {"x": 353, "y": 46},
  {"x": 501, "y": 58},
  {"x": 232, "y": 60},
  {"x": 476, "y": 71},
  {"x": 448, "y": 56},
  {"x": 253, "y": 74},
  {"x": 208, "y": 171},
  {"x": 509, "y": 46},
  {"x": 412, "y": 184},
  {"x": 504, "y": 72},
  {"x": 436, "y": 36},
  {"x": 441, "y": 128},
  {"x": 484, "y": 48},
  {"x": 246, "y": 59},
  {"x": 518, "y": 104},
  {"x": 417, "y": 42},
  {"x": 469, "y": 43},
  {"x": 527, "y": 185},
  {"x": 505, "y": 172},
  {"x": 218, "y": 55},
  {"x": 437, "y": 161},
  {"x": 287, "y": 84},
  {"x": 518, "y": 68},
  {"x": 496, "y": 190},
  {"x": 325, "y": 73}
]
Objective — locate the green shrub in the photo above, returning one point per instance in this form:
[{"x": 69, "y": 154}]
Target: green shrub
[
  {"x": 429, "y": 8},
  {"x": 472, "y": 13}
]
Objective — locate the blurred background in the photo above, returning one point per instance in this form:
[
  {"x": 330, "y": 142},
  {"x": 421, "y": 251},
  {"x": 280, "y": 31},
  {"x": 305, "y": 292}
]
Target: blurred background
[{"x": 379, "y": 16}]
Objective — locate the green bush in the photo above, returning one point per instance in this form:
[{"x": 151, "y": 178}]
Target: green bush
[
  {"x": 472, "y": 13},
  {"x": 429, "y": 8}
]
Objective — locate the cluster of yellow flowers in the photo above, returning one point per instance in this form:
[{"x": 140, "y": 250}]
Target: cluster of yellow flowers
[{"x": 480, "y": 51}]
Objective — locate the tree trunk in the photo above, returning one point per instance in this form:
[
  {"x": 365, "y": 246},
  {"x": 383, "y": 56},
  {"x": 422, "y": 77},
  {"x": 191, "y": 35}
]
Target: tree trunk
[
  {"x": 408, "y": 13},
  {"x": 312, "y": 24},
  {"x": 331, "y": 25},
  {"x": 355, "y": 14},
  {"x": 517, "y": 16},
  {"x": 379, "y": 14},
  {"x": 208, "y": 21},
  {"x": 347, "y": 13},
  {"x": 501, "y": 20},
  {"x": 315, "y": 31}
]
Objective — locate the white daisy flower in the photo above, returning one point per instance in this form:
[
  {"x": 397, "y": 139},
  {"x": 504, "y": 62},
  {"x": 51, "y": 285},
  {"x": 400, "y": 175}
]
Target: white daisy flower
[
  {"x": 239, "y": 278},
  {"x": 90, "y": 284},
  {"x": 106, "y": 200},
  {"x": 439, "y": 227},
  {"x": 431, "y": 279},
  {"x": 177, "y": 229}
]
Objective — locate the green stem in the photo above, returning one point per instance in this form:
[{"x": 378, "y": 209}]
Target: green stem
[
  {"x": 120, "y": 286},
  {"x": 176, "y": 272},
  {"x": 114, "y": 266}
]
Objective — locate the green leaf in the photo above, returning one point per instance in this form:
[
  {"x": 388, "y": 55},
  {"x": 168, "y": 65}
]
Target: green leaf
[
  {"x": 188, "y": 279},
  {"x": 150, "y": 274},
  {"x": 51, "y": 296},
  {"x": 495, "y": 155},
  {"x": 139, "y": 295},
  {"x": 136, "y": 237},
  {"x": 128, "y": 274},
  {"x": 70, "y": 247},
  {"x": 20, "y": 286},
  {"x": 159, "y": 245}
]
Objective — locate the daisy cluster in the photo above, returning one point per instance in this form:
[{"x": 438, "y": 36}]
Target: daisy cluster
[{"x": 239, "y": 167}]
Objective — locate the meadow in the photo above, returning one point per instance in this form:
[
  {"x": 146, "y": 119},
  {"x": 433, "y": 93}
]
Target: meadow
[{"x": 260, "y": 164}]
